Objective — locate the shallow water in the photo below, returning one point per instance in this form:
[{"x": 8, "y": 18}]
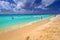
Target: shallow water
[{"x": 15, "y": 19}]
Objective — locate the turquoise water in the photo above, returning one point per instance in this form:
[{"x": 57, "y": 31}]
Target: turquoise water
[{"x": 12, "y": 20}]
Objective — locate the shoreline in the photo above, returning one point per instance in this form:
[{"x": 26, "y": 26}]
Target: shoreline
[
  {"x": 17, "y": 26},
  {"x": 34, "y": 29}
]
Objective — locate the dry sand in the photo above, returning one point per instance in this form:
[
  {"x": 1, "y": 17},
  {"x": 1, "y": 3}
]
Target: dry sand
[{"x": 48, "y": 29}]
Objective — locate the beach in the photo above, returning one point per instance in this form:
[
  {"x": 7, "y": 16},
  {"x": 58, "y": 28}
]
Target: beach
[{"x": 32, "y": 30}]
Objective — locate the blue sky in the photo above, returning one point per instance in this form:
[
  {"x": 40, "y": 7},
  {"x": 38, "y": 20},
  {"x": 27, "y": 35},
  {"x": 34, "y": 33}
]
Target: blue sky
[{"x": 30, "y": 6}]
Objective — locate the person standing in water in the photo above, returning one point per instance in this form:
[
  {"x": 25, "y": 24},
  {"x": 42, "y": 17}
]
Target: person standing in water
[{"x": 12, "y": 17}]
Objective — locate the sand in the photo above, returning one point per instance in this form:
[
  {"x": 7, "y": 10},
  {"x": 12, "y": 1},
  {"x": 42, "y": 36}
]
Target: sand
[{"x": 49, "y": 28}]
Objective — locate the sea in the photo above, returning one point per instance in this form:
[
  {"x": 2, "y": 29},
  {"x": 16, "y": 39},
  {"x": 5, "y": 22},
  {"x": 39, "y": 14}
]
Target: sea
[{"x": 9, "y": 20}]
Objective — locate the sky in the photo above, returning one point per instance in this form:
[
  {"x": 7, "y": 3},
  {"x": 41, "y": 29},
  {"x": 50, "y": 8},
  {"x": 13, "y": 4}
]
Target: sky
[{"x": 29, "y": 6}]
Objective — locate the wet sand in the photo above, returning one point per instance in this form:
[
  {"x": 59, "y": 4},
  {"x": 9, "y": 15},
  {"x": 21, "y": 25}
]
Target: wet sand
[{"x": 33, "y": 30}]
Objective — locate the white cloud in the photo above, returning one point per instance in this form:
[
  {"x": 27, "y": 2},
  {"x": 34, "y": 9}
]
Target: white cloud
[
  {"x": 45, "y": 3},
  {"x": 4, "y": 5},
  {"x": 17, "y": 7},
  {"x": 25, "y": 1},
  {"x": 16, "y": 1},
  {"x": 12, "y": 7}
]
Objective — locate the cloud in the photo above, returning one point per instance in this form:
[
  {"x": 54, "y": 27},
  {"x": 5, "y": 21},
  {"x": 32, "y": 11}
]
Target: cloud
[
  {"x": 23, "y": 6},
  {"x": 45, "y": 3},
  {"x": 18, "y": 6},
  {"x": 5, "y": 5},
  {"x": 16, "y": 1}
]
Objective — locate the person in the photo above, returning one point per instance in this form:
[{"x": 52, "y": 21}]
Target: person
[{"x": 12, "y": 17}]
